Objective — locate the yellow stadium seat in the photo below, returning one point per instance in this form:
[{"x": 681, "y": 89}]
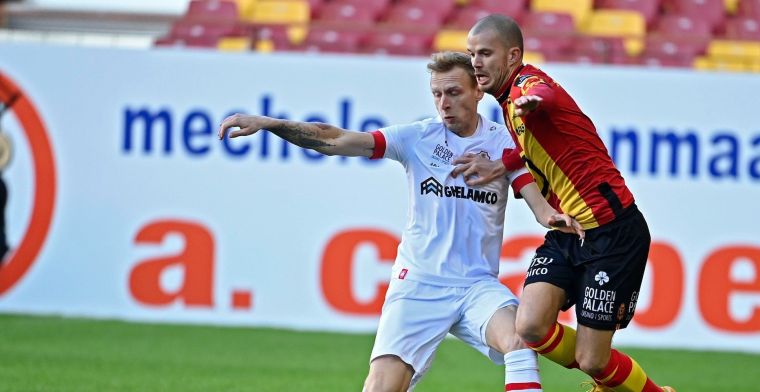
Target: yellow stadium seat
[
  {"x": 245, "y": 8},
  {"x": 742, "y": 50},
  {"x": 579, "y": 9},
  {"x": 705, "y": 63},
  {"x": 533, "y": 58},
  {"x": 450, "y": 40},
  {"x": 264, "y": 46},
  {"x": 626, "y": 24},
  {"x": 234, "y": 44},
  {"x": 731, "y": 6},
  {"x": 280, "y": 12}
]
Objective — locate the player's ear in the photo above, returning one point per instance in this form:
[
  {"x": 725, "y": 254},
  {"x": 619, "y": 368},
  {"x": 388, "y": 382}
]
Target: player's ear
[{"x": 515, "y": 55}]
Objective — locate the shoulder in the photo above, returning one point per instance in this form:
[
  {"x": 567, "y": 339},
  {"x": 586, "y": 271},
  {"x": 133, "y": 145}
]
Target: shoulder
[{"x": 497, "y": 133}]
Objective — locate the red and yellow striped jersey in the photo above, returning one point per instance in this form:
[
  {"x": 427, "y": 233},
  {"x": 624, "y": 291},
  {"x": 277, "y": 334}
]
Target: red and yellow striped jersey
[{"x": 563, "y": 151}]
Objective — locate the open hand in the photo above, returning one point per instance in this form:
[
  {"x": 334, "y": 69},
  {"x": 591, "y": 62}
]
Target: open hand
[{"x": 527, "y": 104}]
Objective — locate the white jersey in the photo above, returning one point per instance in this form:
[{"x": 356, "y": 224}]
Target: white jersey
[{"x": 454, "y": 232}]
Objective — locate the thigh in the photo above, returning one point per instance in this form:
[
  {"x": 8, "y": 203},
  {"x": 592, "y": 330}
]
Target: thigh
[
  {"x": 610, "y": 277},
  {"x": 552, "y": 265},
  {"x": 416, "y": 317},
  {"x": 486, "y": 301}
]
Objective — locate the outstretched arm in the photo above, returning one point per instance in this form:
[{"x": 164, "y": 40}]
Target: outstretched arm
[
  {"x": 546, "y": 215},
  {"x": 325, "y": 138}
]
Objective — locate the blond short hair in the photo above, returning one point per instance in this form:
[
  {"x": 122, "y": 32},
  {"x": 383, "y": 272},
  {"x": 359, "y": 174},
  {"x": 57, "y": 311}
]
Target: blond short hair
[{"x": 446, "y": 61}]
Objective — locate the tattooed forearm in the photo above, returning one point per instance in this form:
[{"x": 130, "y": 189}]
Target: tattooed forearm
[{"x": 316, "y": 136}]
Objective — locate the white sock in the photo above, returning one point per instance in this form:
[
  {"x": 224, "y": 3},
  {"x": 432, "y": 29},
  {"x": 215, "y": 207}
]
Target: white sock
[{"x": 522, "y": 371}]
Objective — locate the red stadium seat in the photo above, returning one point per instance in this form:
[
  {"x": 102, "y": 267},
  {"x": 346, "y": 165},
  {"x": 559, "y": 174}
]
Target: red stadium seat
[
  {"x": 750, "y": 8},
  {"x": 648, "y": 8},
  {"x": 513, "y": 8},
  {"x": 743, "y": 28},
  {"x": 398, "y": 43},
  {"x": 658, "y": 45},
  {"x": 711, "y": 11},
  {"x": 347, "y": 12},
  {"x": 609, "y": 50},
  {"x": 204, "y": 28},
  {"x": 548, "y": 23},
  {"x": 466, "y": 17},
  {"x": 662, "y": 60},
  {"x": 315, "y": 6},
  {"x": 276, "y": 34},
  {"x": 326, "y": 39},
  {"x": 683, "y": 25},
  {"x": 378, "y": 7},
  {"x": 549, "y": 46},
  {"x": 412, "y": 15},
  {"x": 212, "y": 9},
  {"x": 443, "y": 8}
]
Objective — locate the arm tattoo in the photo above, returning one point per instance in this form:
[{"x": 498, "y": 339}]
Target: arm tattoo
[{"x": 315, "y": 136}]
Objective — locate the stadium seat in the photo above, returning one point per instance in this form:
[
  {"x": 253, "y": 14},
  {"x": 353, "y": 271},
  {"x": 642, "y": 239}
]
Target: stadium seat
[
  {"x": 743, "y": 28},
  {"x": 337, "y": 11},
  {"x": 548, "y": 23},
  {"x": 455, "y": 40},
  {"x": 269, "y": 37},
  {"x": 704, "y": 63},
  {"x": 729, "y": 50},
  {"x": 387, "y": 41},
  {"x": 413, "y": 15},
  {"x": 600, "y": 47},
  {"x": 579, "y": 9},
  {"x": 685, "y": 46},
  {"x": 648, "y": 8},
  {"x": 549, "y": 46},
  {"x": 441, "y": 7},
  {"x": 465, "y": 18},
  {"x": 332, "y": 39},
  {"x": 245, "y": 8},
  {"x": 663, "y": 60},
  {"x": 234, "y": 44},
  {"x": 711, "y": 11},
  {"x": 378, "y": 7},
  {"x": 533, "y": 58},
  {"x": 618, "y": 23},
  {"x": 513, "y": 8},
  {"x": 315, "y": 7},
  {"x": 749, "y": 8},
  {"x": 684, "y": 26},
  {"x": 205, "y": 28},
  {"x": 731, "y": 6},
  {"x": 212, "y": 9},
  {"x": 281, "y": 12}
]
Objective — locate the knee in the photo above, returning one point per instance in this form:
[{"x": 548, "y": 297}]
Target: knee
[
  {"x": 377, "y": 382},
  {"x": 388, "y": 374},
  {"x": 591, "y": 364},
  {"x": 531, "y": 330}
]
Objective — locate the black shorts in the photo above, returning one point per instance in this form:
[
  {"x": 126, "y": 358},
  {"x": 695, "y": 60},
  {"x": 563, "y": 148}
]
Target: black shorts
[{"x": 602, "y": 277}]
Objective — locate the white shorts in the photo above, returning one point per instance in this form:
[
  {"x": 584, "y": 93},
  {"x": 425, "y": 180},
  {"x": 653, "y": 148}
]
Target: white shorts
[{"x": 417, "y": 316}]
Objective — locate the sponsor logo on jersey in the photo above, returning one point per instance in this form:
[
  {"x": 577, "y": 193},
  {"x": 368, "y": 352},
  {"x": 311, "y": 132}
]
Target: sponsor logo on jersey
[
  {"x": 442, "y": 154},
  {"x": 431, "y": 185},
  {"x": 602, "y": 278}
]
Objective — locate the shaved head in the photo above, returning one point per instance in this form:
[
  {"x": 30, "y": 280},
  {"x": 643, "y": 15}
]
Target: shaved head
[{"x": 505, "y": 28}]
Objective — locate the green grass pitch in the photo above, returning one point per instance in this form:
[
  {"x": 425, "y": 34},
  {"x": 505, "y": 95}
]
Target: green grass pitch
[{"x": 64, "y": 354}]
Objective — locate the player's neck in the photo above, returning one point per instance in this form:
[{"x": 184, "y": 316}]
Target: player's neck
[{"x": 471, "y": 129}]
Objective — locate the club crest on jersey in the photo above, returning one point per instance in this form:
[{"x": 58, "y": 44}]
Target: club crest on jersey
[{"x": 431, "y": 185}]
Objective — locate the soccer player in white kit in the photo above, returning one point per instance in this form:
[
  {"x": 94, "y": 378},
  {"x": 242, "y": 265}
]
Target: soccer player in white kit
[{"x": 445, "y": 277}]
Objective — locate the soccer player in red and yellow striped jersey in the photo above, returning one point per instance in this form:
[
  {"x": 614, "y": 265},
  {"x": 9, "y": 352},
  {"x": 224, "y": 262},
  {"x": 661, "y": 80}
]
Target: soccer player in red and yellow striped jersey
[{"x": 561, "y": 148}]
